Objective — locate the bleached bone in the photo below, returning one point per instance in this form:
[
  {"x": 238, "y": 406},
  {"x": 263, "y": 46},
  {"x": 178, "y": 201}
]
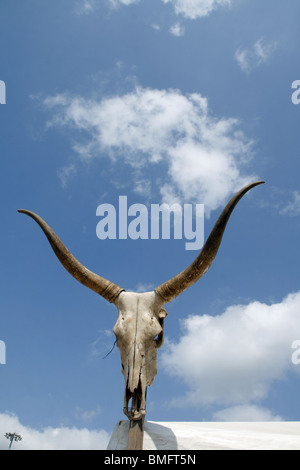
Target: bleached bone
[
  {"x": 140, "y": 323},
  {"x": 139, "y": 332}
]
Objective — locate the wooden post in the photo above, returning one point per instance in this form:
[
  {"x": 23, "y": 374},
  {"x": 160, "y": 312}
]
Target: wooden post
[{"x": 136, "y": 434}]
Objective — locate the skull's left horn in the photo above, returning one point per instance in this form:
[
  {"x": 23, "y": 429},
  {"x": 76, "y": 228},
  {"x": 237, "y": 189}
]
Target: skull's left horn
[
  {"x": 98, "y": 284},
  {"x": 175, "y": 286}
]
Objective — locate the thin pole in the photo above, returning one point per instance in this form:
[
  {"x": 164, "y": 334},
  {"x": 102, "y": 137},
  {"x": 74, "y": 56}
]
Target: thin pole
[{"x": 136, "y": 434}]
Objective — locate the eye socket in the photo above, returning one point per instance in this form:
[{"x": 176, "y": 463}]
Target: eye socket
[{"x": 159, "y": 339}]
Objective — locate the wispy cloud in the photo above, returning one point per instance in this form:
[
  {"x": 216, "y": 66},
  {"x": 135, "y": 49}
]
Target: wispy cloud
[
  {"x": 285, "y": 203},
  {"x": 65, "y": 173},
  {"x": 103, "y": 344},
  {"x": 143, "y": 287},
  {"x": 193, "y": 9},
  {"x": 85, "y": 6},
  {"x": 187, "y": 9},
  {"x": 246, "y": 414},
  {"x": 251, "y": 58},
  {"x": 204, "y": 158},
  {"x": 177, "y": 30},
  {"x": 155, "y": 26},
  {"x": 116, "y": 3},
  {"x": 87, "y": 416},
  {"x": 292, "y": 208},
  {"x": 190, "y": 9},
  {"x": 88, "y": 6}
]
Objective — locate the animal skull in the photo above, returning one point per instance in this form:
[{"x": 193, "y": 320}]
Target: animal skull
[
  {"x": 139, "y": 327},
  {"x": 139, "y": 332}
]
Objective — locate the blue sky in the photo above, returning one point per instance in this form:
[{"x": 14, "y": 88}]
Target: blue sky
[{"x": 160, "y": 101}]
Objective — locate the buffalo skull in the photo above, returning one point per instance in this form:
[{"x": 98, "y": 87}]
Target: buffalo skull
[{"x": 140, "y": 323}]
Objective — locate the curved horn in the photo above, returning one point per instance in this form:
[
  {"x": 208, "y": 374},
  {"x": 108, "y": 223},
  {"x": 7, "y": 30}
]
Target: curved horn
[
  {"x": 175, "y": 286},
  {"x": 101, "y": 286}
]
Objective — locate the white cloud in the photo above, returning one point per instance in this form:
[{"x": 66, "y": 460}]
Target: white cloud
[
  {"x": 61, "y": 438},
  {"x": 292, "y": 208},
  {"x": 233, "y": 359},
  {"x": 103, "y": 344},
  {"x": 116, "y": 3},
  {"x": 245, "y": 414},
  {"x": 193, "y": 9},
  {"x": 177, "y": 30},
  {"x": 85, "y": 6},
  {"x": 155, "y": 26},
  {"x": 88, "y": 6},
  {"x": 190, "y": 9},
  {"x": 259, "y": 53},
  {"x": 65, "y": 173},
  {"x": 87, "y": 416},
  {"x": 143, "y": 287},
  {"x": 205, "y": 159}
]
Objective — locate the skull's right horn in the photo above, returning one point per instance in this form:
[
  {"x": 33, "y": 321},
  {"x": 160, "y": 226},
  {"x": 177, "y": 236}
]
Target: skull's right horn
[{"x": 175, "y": 286}]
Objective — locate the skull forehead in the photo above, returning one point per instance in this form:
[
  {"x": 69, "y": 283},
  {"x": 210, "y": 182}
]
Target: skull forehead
[
  {"x": 133, "y": 301},
  {"x": 138, "y": 315}
]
